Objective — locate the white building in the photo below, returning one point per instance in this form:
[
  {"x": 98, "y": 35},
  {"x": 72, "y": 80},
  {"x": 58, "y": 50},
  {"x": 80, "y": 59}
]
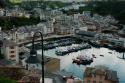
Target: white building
[
  {"x": 83, "y": 28},
  {"x": 1, "y": 12},
  {"x": 46, "y": 28}
]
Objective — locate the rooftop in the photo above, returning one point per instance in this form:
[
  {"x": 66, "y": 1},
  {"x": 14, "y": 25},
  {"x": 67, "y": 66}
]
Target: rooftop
[
  {"x": 86, "y": 33},
  {"x": 8, "y": 43},
  {"x": 109, "y": 74}
]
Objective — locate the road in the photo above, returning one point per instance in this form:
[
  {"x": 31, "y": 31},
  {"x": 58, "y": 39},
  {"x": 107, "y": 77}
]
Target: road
[{"x": 48, "y": 37}]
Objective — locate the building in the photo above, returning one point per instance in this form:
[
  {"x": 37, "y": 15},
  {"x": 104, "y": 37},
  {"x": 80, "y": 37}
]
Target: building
[
  {"x": 62, "y": 25},
  {"x": 82, "y": 33},
  {"x": 34, "y": 61},
  {"x": 52, "y": 64},
  {"x": 100, "y": 75},
  {"x": 64, "y": 30},
  {"x": 92, "y": 27},
  {"x": 1, "y": 12},
  {"x": 10, "y": 50}
]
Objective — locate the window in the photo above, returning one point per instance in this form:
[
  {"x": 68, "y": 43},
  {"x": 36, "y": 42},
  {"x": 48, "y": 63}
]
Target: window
[
  {"x": 12, "y": 56},
  {"x": 94, "y": 81},
  {"x": 12, "y": 47},
  {"x": 11, "y": 51}
]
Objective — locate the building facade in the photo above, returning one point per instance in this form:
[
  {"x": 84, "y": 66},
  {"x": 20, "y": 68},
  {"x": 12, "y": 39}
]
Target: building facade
[
  {"x": 10, "y": 51},
  {"x": 100, "y": 75}
]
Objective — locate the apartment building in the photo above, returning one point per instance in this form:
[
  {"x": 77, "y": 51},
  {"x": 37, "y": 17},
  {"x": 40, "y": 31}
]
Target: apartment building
[{"x": 10, "y": 50}]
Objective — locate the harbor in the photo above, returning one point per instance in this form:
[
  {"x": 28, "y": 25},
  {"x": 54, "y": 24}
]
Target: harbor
[
  {"x": 100, "y": 56},
  {"x": 55, "y": 41},
  {"x": 73, "y": 48}
]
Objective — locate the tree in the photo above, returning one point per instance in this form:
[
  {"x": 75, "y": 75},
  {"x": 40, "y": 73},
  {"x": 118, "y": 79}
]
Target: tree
[{"x": 110, "y": 7}]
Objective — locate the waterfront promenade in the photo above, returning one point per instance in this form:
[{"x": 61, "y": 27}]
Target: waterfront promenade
[{"x": 48, "y": 37}]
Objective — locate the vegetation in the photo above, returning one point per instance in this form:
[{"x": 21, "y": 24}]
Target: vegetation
[
  {"x": 1, "y": 57},
  {"x": 15, "y": 1},
  {"x": 33, "y": 4},
  {"x": 70, "y": 12},
  {"x": 8, "y": 22},
  {"x": 110, "y": 7},
  {"x": 6, "y": 80},
  {"x": 55, "y": 4}
]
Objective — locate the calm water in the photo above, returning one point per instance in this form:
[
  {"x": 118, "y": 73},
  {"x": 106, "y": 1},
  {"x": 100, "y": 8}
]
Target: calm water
[{"x": 110, "y": 60}]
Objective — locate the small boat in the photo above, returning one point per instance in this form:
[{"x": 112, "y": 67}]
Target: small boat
[
  {"x": 110, "y": 52},
  {"x": 102, "y": 55},
  {"x": 95, "y": 44},
  {"x": 84, "y": 60}
]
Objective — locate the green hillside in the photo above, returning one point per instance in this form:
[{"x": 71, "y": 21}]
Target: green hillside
[{"x": 15, "y": 1}]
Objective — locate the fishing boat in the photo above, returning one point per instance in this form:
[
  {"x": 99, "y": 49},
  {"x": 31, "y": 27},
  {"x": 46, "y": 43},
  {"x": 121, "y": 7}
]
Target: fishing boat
[
  {"x": 58, "y": 43},
  {"x": 83, "y": 59},
  {"x": 95, "y": 44},
  {"x": 72, "y": 48},
  {"x": 102, "y": 55},
  {"x": 110, "y": 52}
]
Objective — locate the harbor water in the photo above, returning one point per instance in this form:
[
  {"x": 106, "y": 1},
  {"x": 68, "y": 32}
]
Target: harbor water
[{"x": 110, "y": 59}]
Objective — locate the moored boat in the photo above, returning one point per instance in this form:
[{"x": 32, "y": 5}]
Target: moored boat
[
  {"x": 83, "y": 59},
  {"x": 73, "y": 48}
]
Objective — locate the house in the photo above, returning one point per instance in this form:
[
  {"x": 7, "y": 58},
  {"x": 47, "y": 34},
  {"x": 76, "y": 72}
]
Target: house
[
  {"x": 10, "y": 50},
  {"x": 63, "y": 29},
  {"x": 46, "y": 28},
  {"x": 3, "y": 35},
  {"x": 63, "y": 25},
  {"x": 1, "y": 12},
  {"x": 100, "y": 75},
  {"x": 91, "y": 27}
]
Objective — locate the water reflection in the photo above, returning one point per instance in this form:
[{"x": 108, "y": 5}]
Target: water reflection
[{"x": 110, "y": 60}]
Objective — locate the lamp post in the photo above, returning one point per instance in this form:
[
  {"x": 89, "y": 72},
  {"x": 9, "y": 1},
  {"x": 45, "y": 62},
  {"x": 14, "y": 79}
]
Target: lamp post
[
  {"x": 33, "y": 54},
  {"x": 41, "y": 35},
  {"x": 33, "y": 59}
]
